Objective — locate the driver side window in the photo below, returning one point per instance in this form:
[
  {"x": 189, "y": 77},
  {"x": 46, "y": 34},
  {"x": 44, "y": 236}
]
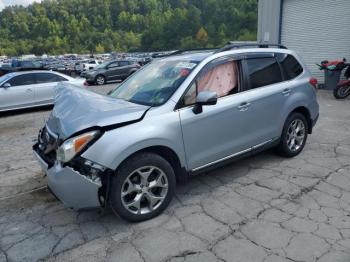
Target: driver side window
[
  {"x": 20, "y": 80},
  {"x": 220, "y": 76}
]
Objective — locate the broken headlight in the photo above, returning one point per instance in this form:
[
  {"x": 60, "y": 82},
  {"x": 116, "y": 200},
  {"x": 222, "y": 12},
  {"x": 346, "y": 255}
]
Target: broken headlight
[{"x": 71, "y": 147}]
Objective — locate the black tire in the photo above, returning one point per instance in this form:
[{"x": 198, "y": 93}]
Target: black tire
[
  {"x": 100, "y": 80},
  {"x": 341, "y": 92},
  {"x": 283, "y": 147},
  {"x": 127, "y": 168}
]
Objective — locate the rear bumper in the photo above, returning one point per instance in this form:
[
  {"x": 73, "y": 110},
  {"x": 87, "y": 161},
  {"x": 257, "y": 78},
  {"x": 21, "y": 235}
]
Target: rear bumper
[{"x": 73, "y": 189}]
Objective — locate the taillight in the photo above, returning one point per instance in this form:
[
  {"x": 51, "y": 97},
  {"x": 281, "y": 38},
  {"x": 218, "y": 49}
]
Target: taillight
[{"x": 313, "y": 82}]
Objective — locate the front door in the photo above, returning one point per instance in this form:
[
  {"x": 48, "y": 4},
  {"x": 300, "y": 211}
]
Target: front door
[
  {"x": 19, "y": 92},
  {"x": 222, "y": 130}
]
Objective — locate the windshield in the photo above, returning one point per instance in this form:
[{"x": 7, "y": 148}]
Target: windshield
[
  {"x": 155, "y": 83},
  {"x": 5, "y": 77}
]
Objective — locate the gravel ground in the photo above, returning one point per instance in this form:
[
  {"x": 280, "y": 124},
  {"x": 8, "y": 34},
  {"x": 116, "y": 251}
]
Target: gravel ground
[{"x": 262, "y": 209}]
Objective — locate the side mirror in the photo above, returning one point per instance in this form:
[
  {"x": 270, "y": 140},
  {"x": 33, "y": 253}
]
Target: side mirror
[
  {"x": 6, "y": 85},
  {"x": 204, "y": 98}
]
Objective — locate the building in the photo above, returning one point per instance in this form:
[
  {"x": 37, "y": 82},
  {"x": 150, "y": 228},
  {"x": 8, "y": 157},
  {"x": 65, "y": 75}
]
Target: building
[{"x": 317, "y": 29}]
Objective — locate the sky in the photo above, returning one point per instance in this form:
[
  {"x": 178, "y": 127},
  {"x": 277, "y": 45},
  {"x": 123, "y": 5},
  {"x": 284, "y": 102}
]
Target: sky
[{"x": 4, "y": 3}]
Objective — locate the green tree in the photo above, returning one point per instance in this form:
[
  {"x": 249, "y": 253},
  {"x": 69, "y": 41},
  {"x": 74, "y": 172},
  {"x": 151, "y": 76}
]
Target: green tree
[
  {"x": 62, "y": 26},
  {"x": 202, "y": 36},
  {"x": 99, "y": 49}
]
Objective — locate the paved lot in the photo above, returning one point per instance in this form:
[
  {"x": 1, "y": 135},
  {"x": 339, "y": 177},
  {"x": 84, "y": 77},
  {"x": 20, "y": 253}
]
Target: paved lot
[{"x": 262, "y": 209}]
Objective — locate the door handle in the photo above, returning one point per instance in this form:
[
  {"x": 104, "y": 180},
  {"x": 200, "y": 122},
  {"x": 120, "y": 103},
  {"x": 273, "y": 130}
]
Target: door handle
[
  {"x": 286, "y": 92},
  {"x": 29, "y": 90},
  {"x": 243, "y": 106}
]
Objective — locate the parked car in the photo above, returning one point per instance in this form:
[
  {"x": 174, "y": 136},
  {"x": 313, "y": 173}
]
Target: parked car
[
  {"x": 178, "y": 116},
  {"x": 91, "y": 64},
  {"x": 79, "y": 66},
  {"x": 111, "y": 70},
  {"x": 19, "y": 65},
  {"x": 31, "y": 88}
]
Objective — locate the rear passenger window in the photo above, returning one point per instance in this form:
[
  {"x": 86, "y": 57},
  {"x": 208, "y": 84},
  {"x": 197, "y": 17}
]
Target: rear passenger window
[
  {"x": 46, "y": 78},
  {"x": 263, "y": 72},
  {"x": 290, "y": 66}
]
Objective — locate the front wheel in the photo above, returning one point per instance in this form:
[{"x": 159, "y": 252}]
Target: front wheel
[
  {"x": 142, "y": 187},
  {"x": 294, "y": 135},
  {"x": 100, "y": 80},
  {"x": 341, "y": 92}
]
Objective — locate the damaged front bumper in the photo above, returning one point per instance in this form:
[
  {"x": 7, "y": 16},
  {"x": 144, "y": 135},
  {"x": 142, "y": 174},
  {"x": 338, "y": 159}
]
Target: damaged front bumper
[{"x": 74, "y": 189}]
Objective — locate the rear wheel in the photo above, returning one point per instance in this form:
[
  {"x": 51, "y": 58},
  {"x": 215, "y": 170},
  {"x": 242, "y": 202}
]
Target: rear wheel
[
  {"x": 341, "y": 92},
  {"x": 100, "y": 80},
  {"x": 294, "y": 135},
  {"x": 142, "y": 187}
]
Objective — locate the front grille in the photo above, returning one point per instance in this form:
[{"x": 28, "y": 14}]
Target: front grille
[{"x": 47, "y": 145}]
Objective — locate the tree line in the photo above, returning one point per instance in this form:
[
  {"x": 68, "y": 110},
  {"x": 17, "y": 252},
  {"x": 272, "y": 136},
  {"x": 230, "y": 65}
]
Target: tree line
[{"x": 97, "y": 26}]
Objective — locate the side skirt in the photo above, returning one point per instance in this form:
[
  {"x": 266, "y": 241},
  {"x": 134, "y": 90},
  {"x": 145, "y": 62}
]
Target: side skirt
[{"x": 246, "y": 153}]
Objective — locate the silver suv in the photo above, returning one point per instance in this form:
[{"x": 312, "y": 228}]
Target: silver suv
[{"x": 178, "y": 116}]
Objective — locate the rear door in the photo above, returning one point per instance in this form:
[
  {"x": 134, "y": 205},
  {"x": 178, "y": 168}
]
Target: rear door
[
  {"x": 124, "y": 68},
  {"x": 45, "y": 87},
  {"x": 19, "y": 94},
  {"x": 267, "y": 93}
]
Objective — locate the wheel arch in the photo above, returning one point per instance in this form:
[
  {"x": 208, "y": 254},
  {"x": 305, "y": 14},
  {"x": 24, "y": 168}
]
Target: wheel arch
[
  {"x": 169, "y": 155},
  {"x": 100, "y": 74},
  {"x": 306, "y": 113},
  {"x": 132, "y": 70}
]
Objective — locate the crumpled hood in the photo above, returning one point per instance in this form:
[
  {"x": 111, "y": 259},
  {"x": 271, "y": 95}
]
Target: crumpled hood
[{"x": 77, "y": 109}]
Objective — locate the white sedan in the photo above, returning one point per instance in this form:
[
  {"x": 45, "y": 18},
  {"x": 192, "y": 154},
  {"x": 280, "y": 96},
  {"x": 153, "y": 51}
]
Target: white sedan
[{"x": 31, "y": 88}]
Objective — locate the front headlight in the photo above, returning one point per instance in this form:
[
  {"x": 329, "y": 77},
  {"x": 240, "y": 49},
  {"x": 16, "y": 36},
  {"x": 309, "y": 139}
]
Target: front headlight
[{"x": 74, "y": 145}]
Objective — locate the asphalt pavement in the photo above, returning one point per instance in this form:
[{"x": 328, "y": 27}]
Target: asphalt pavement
[{"x": 261, "y": 209}]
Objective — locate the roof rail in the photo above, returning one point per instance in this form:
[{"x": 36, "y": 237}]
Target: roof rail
[
  {"x": 234, "y": 45},
  {"x": 194, "y": 50}
]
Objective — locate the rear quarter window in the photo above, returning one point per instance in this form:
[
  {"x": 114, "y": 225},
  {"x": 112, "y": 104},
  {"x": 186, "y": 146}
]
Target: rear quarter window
[{"x": 290, "y": 66}]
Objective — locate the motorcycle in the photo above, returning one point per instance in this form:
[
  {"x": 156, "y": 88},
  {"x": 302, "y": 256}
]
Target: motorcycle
[{"x": 343, "y": 87}]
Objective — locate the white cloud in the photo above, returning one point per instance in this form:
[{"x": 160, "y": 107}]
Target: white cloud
[{"x": 4, "y": 3}]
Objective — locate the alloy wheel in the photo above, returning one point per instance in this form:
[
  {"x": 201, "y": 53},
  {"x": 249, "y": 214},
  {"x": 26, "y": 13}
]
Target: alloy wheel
[
  {"x": 295, "y": 135},
  {"x": 100, "y": 80},
  {"x": 144, "y": 190}
]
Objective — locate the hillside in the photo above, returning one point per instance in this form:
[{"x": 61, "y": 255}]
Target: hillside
[{"x": 78, "y": 26}]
